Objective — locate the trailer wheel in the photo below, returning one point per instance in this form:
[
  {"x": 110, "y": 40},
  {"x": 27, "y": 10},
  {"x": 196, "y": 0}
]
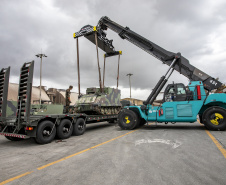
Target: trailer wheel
[
  {"x": 64, "y": 130},
  {"x": 79, "y": 127},
  {"x": 215, "y": 118},
  {"x": 46, "y": 132},
  {"x": 128, "y": 119}
]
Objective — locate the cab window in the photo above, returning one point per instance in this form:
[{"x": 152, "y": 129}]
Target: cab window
[
  {"x": 181, "y": 89},
  {"x": 171, "y": 90}
]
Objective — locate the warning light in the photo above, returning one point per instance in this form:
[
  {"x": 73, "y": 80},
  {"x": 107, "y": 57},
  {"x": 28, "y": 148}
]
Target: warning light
[
  {"x": 198, "y": 92},
  {"x": 29, "y": 128}
]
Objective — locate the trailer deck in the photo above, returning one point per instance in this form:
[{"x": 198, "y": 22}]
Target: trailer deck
[{"x": 39, "y": 121}]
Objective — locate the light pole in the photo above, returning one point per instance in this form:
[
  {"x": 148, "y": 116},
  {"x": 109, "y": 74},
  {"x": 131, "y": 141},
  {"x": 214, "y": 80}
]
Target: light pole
[
  {"x": 129, "y": 83},
  {"x": 40, "y": 56}
]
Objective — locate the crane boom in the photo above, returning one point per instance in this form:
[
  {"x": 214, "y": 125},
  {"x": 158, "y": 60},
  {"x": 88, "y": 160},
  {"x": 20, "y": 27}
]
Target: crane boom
[{"x": 182, "y": 66}]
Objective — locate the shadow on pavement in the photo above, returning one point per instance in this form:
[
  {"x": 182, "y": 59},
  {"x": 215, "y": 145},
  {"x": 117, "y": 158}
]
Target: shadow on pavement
[
  {"x": 98, "y": 126},
  {"x": 172, "y": 127}
]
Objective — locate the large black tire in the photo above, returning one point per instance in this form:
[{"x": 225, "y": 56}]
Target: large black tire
[
  {"x": 128, "y": 119},
  {"x": 13, "y": 138},
  {"x": 214, "y": 118},
  {"x": 64, "y": 130},
  {"x": 142, "y": 122},
  {"x": 138, "y": 124},
  {"x": 79, "y": 127},
  {"x": 44, "y": 135}
]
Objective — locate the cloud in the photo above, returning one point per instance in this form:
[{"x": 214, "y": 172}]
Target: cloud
[{"x": 194, "y": 28}]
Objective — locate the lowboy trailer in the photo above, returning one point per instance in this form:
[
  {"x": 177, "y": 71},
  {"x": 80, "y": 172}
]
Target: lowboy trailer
[{"x": 34, "y": 120}]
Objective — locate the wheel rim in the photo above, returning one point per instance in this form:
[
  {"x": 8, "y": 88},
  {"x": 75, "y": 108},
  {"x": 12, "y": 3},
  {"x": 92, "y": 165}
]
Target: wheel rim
[
  {"x": 80, "y": 126},
  {"x": 127, "y": 119},
  {"x": 66, "y": 129},
  {"x": 46, "y": 131},
  {"x": 216, "y": 118}
]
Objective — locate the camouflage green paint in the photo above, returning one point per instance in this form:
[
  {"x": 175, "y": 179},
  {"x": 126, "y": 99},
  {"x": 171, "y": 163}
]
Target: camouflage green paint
[
  {"x": 94, "y": 100},
  {"x": 46, "y": 109},
  {"x": 36, "y": 109},
  {"x": 11, "y": 108},
  {"x": 67, "y": 97},
  {"x": 111, "y": 98}
]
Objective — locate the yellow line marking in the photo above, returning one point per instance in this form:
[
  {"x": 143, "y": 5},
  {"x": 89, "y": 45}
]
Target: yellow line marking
[
  {"x": 42, "y": 167},
  {"x": 62, "y": 159},
  {"x": 14, "y": 178},
  {"x": 219, "y": 146}
]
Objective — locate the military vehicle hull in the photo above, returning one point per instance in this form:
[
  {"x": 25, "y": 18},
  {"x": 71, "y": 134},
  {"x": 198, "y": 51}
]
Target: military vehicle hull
[{"x": 95, "y": 102}]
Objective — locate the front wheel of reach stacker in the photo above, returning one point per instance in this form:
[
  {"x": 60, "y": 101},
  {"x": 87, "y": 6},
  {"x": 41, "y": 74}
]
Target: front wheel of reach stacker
[
  {"x": 46, "y": 132},
  {"x": 128, "y": 119},
  {"x": 214, "y": 118}
]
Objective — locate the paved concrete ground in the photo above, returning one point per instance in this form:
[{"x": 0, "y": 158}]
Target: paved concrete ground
[{"x": 167, "y": 154}]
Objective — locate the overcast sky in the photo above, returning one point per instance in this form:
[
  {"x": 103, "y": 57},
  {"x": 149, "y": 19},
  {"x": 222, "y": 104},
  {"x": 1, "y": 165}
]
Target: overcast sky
[{"x": 194, "y": 28}]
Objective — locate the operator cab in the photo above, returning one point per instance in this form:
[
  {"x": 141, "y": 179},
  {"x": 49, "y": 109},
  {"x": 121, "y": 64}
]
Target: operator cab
[{"x": 176, "y": 92}]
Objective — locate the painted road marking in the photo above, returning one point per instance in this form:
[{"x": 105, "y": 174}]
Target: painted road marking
[
  {"x": 219, "y": 146},
  {"x": 42, "y": 167},
  {"x": 14, "y": 178},
  {"x": 62, "y": 159}
]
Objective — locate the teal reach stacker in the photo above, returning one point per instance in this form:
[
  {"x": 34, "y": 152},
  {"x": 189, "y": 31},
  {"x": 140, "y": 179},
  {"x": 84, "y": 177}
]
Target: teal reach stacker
[{"x": 180, "y": 103}]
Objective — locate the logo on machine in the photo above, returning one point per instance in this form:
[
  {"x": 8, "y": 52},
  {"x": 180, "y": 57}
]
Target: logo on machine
[
  {"x": 150, "y": 111},
  {"x": 213, "y": 82},
  {"x": 200, "y": 74}
]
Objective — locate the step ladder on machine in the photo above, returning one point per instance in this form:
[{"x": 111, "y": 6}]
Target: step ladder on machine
[
  {"x": 24, "y": 94},
  {"x": 4, "y": 83}
]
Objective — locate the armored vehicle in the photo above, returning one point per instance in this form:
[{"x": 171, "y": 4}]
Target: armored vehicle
[{"x": 95, "y": 102}]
